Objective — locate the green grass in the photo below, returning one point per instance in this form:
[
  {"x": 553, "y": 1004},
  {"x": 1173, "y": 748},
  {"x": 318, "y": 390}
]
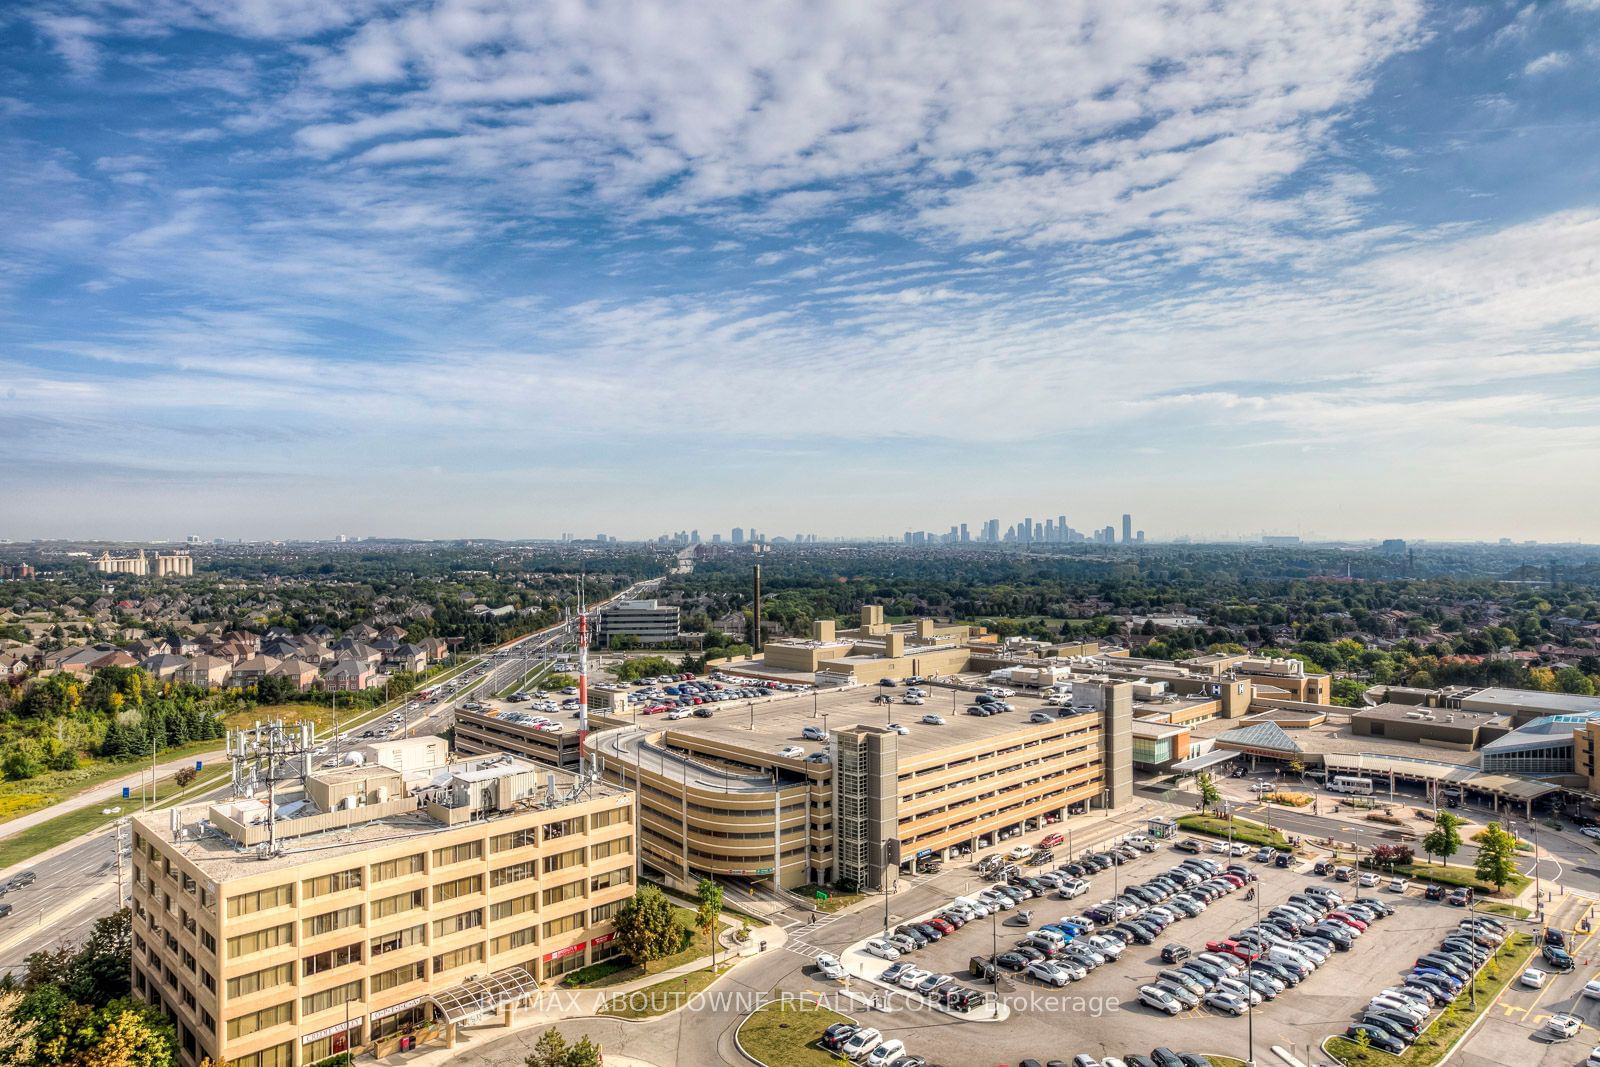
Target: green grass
[
  {"x": 1225, "y": 1061},
  {"x": 1494, "y": 907},
  {"x": 695, "y": 946},
  {"x": 667, "y": 995},
  {"x": 1243, "y": 831},
  {"x": 52, "y": 832},
  {"x": 837, "y": 900},
  {"x": 1447, "y": 874},
  {"x": 785, "y": 1034},
  {"x": 1452, "y": 1023},
  {"x": 52, "y": 787}
]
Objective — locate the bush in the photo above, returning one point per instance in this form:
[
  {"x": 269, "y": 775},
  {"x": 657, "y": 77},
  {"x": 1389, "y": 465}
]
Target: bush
[{"x": 20, "y": 763}]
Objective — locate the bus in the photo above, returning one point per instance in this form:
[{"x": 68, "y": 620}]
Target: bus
[{"x": 1341, "y": 783}]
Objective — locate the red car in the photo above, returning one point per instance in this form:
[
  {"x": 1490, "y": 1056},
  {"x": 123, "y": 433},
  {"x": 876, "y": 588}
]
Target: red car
[
  {"x": 1051, "y": 840},
  {"x": 1234, "y": 878},
  {"x": 1224, "y": 945},
  {"x": 941, "y": 925},
  {"x": 655, "y": 709},
  {"x": 1351, "y": 921}
]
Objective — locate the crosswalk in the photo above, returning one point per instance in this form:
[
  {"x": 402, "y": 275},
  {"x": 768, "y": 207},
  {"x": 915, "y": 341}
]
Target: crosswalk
[{"x": 802, "y": 937}]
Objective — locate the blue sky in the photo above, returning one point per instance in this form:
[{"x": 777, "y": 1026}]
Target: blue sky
[{"x": 300, "y": 267}]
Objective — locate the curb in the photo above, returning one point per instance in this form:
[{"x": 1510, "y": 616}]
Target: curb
[{"x": 762, "y": 1063}]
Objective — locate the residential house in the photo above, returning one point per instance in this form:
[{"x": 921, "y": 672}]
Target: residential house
[
  {"x": 164, "y": 665},
  {"x": 394, "y": 633},
  {"x": 252, "y": 670},
  {"x": 434, "y": 648},
  {"x": 115, "y": 658},
  {"x": 350, "y": 675},
  {"x": 361, "y": 632},
  {"x": 301, "y": 672},
  {"x": 407, "y": 658},
  {"x": 207, "y": 672}
]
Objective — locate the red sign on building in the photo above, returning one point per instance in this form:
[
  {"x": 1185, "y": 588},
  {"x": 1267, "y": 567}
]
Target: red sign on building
[
  {"x": 603, "y": 939},
  {"x": 561, "y": 953}
]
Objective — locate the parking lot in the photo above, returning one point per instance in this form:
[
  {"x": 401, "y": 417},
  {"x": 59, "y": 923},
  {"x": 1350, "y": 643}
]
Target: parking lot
[{"x": 1101, "y": 1015}]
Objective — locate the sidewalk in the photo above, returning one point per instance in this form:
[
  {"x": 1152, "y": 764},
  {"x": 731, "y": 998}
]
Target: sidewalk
[{"x": 558, "y": 1005}]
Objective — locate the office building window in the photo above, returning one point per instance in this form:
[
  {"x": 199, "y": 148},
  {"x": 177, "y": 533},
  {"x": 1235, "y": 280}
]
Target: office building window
[
  {"x": 517, "y": 872},
  {"x": 327, "y": 961},
  {"x": 330, "y": 998},
  {"x": 563, "y": 860},
  {"x": 620, "y": 847},
  {"x": 322, "y": 1048},
  {"x": 515, "y": 906},
  {"x": 260, "y": 941},
  {"x": 333, "y": 883},
  {"x": 384, "y": 981},
  {"x": 276, "y": 1056},
  {"x": 400, "y": 902},
  {"x": 564, "y": 828},
  {"x": 391, "y": 869},
  {"x": 565, "y": 965},
  {"x": 604, "y": 911},
  {"x": 398, "y": 939},
  {"x": 467, "y": 850},
  {"x": 458, "y": 958},
  {"x": 260, "y": 900},
  {"x": 250, "y": 1022},
  {"x": 256, "y": 981},
  {"x": 515, "y": 839},
  {"x": 518, "y": 939},
  {"x": 615, "y": 817},
  {"x": 569, "y": 891},
  {"x": 329, "y": 921},
  {"x": 459, "y": 888},
  {"x": 454, "y": 924},
  {"x": 620, "y": 876},
  {"x": 564, "y": 925}
]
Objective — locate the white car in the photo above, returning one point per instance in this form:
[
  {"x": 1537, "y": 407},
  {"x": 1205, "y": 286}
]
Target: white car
[
  {"x": 897, "y": 728},
  {"x": 1562, "y": 1025},
  {"x": 911, "y": 977},
  {"x": 678, "y": 713},
  {"x": 1533, "y": 978},
  {"x": 1591, "y": 831},
  {"x": 1398, "y": 885},
  {"x": 882, "y": 949},
  {"x": 1073, "y": 887},
  {"x": 933, "y": 720},
  {"x": 1220, "y": 846},
  {"x": 1594, "y": 1057},
  {"x": 791, "y": 752},
  {"x": 829, "y": 966},
  {"x": 912, "y": 699},
  {"x": 1049, "y": 973},
  {"x": 1022, "y": 852},
  {"x": 886, "y": 1053},
  {"x": 861, "y": 1042},
  {"x": 1159, "y": 999}
]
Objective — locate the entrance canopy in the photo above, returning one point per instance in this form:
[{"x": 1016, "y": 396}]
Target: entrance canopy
[{"x": 479, "y": 996}]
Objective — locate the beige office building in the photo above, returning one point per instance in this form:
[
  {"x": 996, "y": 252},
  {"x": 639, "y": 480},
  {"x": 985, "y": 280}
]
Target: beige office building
[{"x": 382, "y": 908}]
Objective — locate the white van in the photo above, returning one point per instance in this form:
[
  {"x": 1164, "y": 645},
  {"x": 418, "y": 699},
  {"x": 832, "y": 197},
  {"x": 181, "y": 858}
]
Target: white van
[{"x": 1289, "y": 958}]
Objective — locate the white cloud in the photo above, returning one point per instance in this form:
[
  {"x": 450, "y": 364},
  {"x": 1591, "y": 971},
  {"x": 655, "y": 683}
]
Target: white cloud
[{"x": 1550, "y": 61}]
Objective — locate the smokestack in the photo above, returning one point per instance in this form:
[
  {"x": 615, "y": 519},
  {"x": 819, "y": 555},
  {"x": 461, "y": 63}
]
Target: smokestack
[{"x": 755, "y": 629}]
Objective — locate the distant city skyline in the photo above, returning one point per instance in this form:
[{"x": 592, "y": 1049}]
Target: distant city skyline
[{"x": 306, "y": 267}]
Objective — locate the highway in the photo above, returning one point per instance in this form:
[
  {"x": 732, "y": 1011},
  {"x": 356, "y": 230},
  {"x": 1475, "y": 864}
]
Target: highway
[{"x": 79, "y": 884}]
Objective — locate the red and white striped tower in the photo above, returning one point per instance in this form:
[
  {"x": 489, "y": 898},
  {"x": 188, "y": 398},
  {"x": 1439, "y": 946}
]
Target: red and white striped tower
[{"x": 583, "y": 675}]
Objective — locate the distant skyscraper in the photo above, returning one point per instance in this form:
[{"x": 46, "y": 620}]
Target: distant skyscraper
[
  {"x": 964, "y": 537},
  {"x": 738, "y": 535},
  {"x": 1138, "y": 538},
  {"x": 1127, "y": 529},
  {"x": 716, "y": 539},
  {"x": 694, "y": 537}
]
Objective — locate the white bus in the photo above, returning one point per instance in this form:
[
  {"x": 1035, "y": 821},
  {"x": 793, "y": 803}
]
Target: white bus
[{"x": 1341, "y": 783}]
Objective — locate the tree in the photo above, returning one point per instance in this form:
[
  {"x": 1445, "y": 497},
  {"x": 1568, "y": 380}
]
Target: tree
[
  {"x": 646, "y": 929},
  {"x": 1444, "y": 840},
  {"x": 707, "y": 914},
  {"x": 184, "y": 776},
  {"x": 1297, "y": 768},
  {"x": 1497, "y": 855},
  {"x": 1210, "y": 795},
  {"x": 552, "y": 1050}
]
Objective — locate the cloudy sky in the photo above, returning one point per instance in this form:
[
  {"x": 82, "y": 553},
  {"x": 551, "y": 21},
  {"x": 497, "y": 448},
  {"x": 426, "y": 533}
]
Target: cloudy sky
[{"x": 302, "y": 267}]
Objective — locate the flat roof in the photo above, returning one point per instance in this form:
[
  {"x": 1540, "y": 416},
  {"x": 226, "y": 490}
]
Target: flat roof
[
  {"x": 1553, "y": 703},
  {"x": 221, "y": 858},
  {"x": 1437, "y": 771},
  {"x": 1440, "y": 716},
  {"x": 1152, "y": 728},
  {"x": 776, "y": 723},
  {"x": 1338, "y": 737}
]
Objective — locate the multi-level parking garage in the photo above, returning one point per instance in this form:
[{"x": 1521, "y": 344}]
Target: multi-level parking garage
[{"x": 808, "y": 787}]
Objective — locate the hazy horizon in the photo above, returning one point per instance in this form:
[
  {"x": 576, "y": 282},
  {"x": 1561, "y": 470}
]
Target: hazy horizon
[{"x": 454, "y": 269}]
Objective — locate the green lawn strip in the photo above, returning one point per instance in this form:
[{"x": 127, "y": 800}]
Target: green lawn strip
[
  {"x": 1243, "y": 831},
  {"x": 1225, "y": 1061},
  {"x": 52, "y": 787},
  {"x": 1446, "y": 874},
  {"x": 1452, "y": 1023},
  {"x": 1494, "y": 907},
  {"x": 835, "y": 901},
  {"x": 695, "y": 946},
  {"x": 785, "y": 1034},
  {"x": 669, "y": 994},
  {"x": 46, "y": 835}
]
